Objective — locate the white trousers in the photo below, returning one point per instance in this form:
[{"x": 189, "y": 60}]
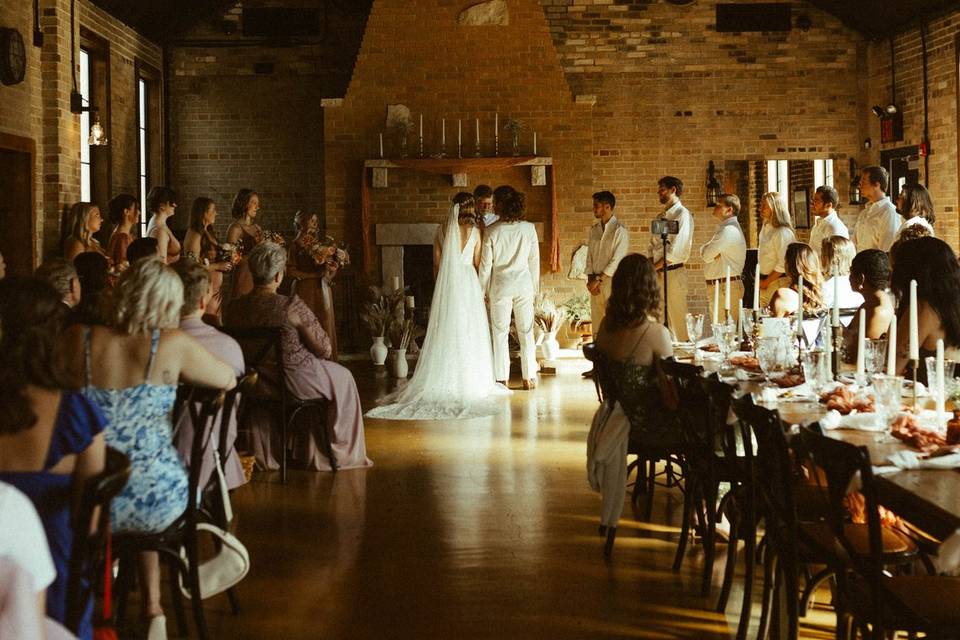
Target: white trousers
[
  {"x": 676, "y": 301},
  {"x": 522, "y": 306}
]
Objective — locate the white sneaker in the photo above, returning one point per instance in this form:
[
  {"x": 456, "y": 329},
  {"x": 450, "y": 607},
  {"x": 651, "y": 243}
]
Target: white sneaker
[{"x": 158, "y": 628}]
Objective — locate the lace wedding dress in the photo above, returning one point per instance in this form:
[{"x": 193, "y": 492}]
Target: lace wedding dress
[{"x": 453, "y": 377}]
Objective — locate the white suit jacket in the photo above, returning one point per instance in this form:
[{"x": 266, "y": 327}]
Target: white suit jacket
[{"x": 510, "y": 260}]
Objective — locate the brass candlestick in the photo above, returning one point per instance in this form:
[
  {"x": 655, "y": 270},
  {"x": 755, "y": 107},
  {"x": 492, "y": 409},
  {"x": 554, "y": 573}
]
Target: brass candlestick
[
  {"x": 421, "y": 147},
  {"x": 757, "y": 330},
  {"x": 837, "y": 339},
  {"x": 915, "y": 364}
]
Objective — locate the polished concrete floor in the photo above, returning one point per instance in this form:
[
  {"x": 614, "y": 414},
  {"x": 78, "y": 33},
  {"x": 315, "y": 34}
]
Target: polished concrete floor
[{"x": 484, "y": 528}]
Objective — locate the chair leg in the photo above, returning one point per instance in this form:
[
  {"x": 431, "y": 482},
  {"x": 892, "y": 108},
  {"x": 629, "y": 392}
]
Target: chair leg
[
  {"x": 234, "y": 600},
  {"x": 687, "y": 515},
  {"x": 769, "y": 590},
  {"x": 651, "y": 483},
  {"x": 608, "y": 545},
  {"x": 328, "y": 442},
  {"x": 709, "y": 539},
  {"x": 746, "y": 609},
  {"x": 173, "y": 582},
  {"x": 813, "y": 583},
  {"x": 193, "y": 575},
  {"x": 123, "y": 585},
  {"x": 731, "y": 566}
]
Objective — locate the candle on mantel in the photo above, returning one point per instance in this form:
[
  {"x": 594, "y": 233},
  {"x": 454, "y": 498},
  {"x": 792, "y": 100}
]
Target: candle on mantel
[
  {"x": 726, "y": 293},
  {"x": 443, "y": 131},
  {"x": 716, "y": 301},
  {"x": 756, "y": 288},
  {"x": 496, "y": 126},
  {"x": 421, "y": 125},
  {"x": 862, "y": 345},
  {"x": 381, "y": 145},
  {"x": 914, "y": 335},
  {"x": 941, "y": 400},
  {"x": 800, "y": 308},
  {"x": 411, "y": 303},
  {"x": 459, "y": 141},
  {"x": 396, "y": 282},
  {"x": 478, "y": 132},
  {"x": 534, "y": 143},
  {"x": 892, "y": 347}
]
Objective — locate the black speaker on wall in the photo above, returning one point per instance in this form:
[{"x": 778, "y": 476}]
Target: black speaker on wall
[
  {"x": 740, "y": 18},
  {"x": 280, "y": 22}
]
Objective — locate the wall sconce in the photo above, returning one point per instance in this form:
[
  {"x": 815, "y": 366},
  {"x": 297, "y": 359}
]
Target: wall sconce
[
  {"x": 713, "y": 187},
  {"x": 98, "y": 137},
  {"x": 885, "y": 112},
  {"x": 855, "y": 197}
]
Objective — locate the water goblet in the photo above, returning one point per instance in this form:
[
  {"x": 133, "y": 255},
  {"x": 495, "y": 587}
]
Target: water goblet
[
  {"x": 949, "y": 370},
  {"x": 816, "y": 369},
  {"x": 694, "y": 329},
  {"x": 887, "y": 392},
  {"x": 875, "y": 356},
  {"x": 770, "y": 357}
]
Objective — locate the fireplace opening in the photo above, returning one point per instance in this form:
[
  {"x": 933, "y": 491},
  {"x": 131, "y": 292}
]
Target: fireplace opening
[{"x": 418, "y": 278}]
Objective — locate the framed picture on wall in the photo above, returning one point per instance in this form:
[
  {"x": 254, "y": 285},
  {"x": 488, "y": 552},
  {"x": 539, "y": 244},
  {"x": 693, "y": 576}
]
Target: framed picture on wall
[{"x": 801, "y": 209}]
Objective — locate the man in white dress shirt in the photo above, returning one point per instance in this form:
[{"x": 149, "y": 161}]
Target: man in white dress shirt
[
  {"x": 605, "y": 249},
  {"x": 727, "y": 249},
  {"x": 483, "y": 196},
  {"x": 878, "y": 224},
  {"x": 828, "y": 223},
  {"x": 669, "y": 190}
]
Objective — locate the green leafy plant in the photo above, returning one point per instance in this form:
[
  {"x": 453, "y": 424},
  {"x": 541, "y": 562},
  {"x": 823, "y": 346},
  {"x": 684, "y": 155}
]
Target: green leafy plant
[{"x": 577, "y": 309}]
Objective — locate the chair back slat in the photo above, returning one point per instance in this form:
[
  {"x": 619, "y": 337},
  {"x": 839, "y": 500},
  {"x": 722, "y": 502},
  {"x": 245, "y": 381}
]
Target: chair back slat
[
  {"x": 692, "y": 411},
  {"x": 262, "y": 352}
]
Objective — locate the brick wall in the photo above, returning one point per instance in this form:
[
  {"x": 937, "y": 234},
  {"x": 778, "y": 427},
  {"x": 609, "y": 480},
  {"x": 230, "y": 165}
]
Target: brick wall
[
  {"x": 942, "y": 105},
  {"x": 38, "y": 108}
]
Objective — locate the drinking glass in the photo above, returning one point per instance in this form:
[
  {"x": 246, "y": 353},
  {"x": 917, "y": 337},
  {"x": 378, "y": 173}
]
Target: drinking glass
[
  {"x": 816, "y": 369},
  {"x": 694, "y": 327},
  {"x": 949, "y": 382},
  {"x": 875, "y": 356},
  {"x": 770, "y": 356},
  {"x": 887, "y": 396}
]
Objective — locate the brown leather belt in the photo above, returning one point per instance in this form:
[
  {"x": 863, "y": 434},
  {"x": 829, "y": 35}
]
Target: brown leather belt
[
  {"x": 724, "y": 279},
  {"x": 670, "y": 268}
]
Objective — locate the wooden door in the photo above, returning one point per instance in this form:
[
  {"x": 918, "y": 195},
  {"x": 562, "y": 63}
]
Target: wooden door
[{"x": 16, "y": 210}]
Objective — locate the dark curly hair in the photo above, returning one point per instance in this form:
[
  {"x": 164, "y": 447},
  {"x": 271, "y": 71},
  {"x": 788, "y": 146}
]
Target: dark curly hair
[
  {"x": 933, "y": 264},
  {"x": 159, "y": 196},
  {"x": 634, "y": 292},
  {"x": 468, "y": 207},
  {"x": 240, "y": 202},
  {"x": 31, "y": 317},
  {"x": 874, "y": 266},
  {"x": 509, "y": 203}
]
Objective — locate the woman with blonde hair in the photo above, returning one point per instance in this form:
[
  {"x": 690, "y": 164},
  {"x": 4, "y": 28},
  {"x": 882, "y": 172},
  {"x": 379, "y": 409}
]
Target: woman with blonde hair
[
  {"x": 776, "y": 234},
  {"x": 130, "y": 371},
  {"x": 800, "y": 260},
  {"x": 85, "y": 220},
  {"x": 836, "y": 256}
]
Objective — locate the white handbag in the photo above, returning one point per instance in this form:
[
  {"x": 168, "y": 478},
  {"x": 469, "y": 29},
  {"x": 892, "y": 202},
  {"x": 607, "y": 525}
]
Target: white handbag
[{"x": 222, "y": 571}]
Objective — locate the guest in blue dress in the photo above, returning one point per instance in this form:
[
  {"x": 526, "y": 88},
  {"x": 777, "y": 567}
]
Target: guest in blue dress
[
  {"x": 131, "y": 370},
  {"x": 50, "y": 439}
]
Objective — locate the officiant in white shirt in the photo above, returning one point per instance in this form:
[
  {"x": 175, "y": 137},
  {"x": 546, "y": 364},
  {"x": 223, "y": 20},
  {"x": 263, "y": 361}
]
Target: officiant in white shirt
[
  {"x": 878, "y": 224},
  {"x": 669, "y": 190},
  {"x": 828, "y": 224},
  {"x": 606, "y": 247},
  {"x": 727, "y": 250},
  {"x": 510, "y": 278}
]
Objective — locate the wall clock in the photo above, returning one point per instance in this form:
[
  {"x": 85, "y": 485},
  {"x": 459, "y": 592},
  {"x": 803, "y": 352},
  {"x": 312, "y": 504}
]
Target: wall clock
[{"x": 13, "y": 57}]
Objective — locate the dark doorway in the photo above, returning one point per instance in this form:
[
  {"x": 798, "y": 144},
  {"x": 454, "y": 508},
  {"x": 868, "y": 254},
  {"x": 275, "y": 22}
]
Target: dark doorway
[
  {"x": 418, "y": 278},
  {"x": 903, "y": 164},
  {"x": 17, "y": 237}
]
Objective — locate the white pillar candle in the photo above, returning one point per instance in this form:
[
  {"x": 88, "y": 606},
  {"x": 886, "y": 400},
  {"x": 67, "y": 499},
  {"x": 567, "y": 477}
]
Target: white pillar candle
[
  {"x": 892, "y": 347},
  {"x": 396, "y": 282},
  {"x": 716, "y": 301},
  {"x": 534, "y": 143},
  {"x": 740, "y": 317},
  {"x": 478, "y": 132},
  {"x": 726, "y": 293},
  {"x": 862, "y": 344},
  {"x": 496, "y": 125},
  {"x": 835, "y": 319},
  {"x": 914, "y": 335},
  {"x": 381, "y": 145},
  {"x": 443, "y": 131},
  {"x": 756, "y": 288},
  {"x": 459, "y": 132},
  {"x": 800, "y": 306},
  {"x": 411, "y": 303},
  {"x": 941, "y": 401},
  {"x": 421, "y": 125}
]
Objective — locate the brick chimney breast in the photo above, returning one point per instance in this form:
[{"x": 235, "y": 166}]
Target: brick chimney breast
[{"x": 494, "y": 12}]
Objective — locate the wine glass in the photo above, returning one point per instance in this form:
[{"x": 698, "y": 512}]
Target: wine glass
[
  {"x": 887, "y": 395},
  {"x": 770, "y": 357},
  {"x": 875, "y": 356},
  {"x": 694, "y": 328}
]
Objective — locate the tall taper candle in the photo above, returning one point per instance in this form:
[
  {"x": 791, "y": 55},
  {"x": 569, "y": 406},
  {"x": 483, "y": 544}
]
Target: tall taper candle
[
  {"x": 534, "y": 143},
  {"x": 800, "y": 308},
  {"x": 914, "y": 335},
  {"x": 496, "y": 125},
  {"x": 443, "y": 131},
  {"x": 396, "y": 282},
  {"x": 421, "y": 125},
  {"x": 941, "y": 400},
  {"x": 756, "y": 288},
  {"x": 862, "y": 344},
  {"x": 726, "y": 293},
  {"x": 835, "y": 316},
  {"x": 459, "y": 133},
  {"x": 740, "y": 317},
  {"x": 381, "y": 145},
  {"x": 892, "y": 347},
  {"x": 478, "y": 132},
  {"x": 716, "y": 301}
]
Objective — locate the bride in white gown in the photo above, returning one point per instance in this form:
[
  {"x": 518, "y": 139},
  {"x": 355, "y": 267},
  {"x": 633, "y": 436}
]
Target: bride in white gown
[{"x": 453, "y": 377}]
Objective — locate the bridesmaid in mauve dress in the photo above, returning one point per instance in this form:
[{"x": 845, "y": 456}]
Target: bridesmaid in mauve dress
[
  {"x": 200, "y": 245},
  {"x": 246, "y": 234},
  {"x": 125, "y": 215},
  {"x": 313, "y": 284},
  {"x": 306, "y": 366}
]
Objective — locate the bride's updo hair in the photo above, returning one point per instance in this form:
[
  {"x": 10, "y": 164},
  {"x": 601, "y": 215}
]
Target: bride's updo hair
[
  {"x": 634, "y": 292},
  {"x": 468, "y": 208},
  {"x": 509, "y": 203}
]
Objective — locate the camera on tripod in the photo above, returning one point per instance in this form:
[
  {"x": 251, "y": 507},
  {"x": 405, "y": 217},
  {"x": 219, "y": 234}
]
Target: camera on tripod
[{"x": 663, "y": 227}]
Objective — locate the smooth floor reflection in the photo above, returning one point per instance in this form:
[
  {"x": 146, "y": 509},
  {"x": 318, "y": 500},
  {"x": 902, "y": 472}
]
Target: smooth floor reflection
[{"x": 481, "y": 528}]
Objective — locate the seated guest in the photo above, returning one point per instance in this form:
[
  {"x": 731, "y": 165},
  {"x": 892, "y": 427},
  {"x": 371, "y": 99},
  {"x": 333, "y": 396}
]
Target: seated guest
[
  {"x": 130, "y": 371},
  {"x": 50, "y": 438},
  {"x": 907, "y": 233},
  {"x": 197, "y": 292},
  {"x": 870, "y": 276},
  {"x": 143, "y": 248},
  {"x": 800, "y": 260},
  {"x": 933, "y": 264},
  {"x": 306, "y": 367},
  {"x": 93, "y": 270},
  {"x": 162, "y": 205},
  {"x": 124, "y": 216},
  {"x": 62, "y": 276},
  {"x": 916, "y": 206},
  {"x": 836, "y": 254},
  {"x": 85, "y": 220}
]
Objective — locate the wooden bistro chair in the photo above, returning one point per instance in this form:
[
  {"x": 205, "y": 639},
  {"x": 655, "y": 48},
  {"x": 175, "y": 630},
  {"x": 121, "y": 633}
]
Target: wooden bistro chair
[
  {"x": 263, "y": 353},
  {"x": 203, "y": 405},
  {"x": 872, "y": 602},
  {"x": 87, "y": 557}
]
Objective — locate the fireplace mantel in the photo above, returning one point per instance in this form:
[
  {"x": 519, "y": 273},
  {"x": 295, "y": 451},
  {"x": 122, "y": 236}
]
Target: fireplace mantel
[{"x": 459, "y": 168}]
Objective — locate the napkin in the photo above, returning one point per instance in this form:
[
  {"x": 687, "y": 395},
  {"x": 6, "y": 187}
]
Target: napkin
[
  {"x": 857, "y": 421},
  {"x": 915, "y": 460},
  {"x": 948, "y": 556}
]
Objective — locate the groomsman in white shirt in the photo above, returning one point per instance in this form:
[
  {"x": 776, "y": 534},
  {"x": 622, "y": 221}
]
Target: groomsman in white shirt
[
  {"x": 727, "y": 249},
  {"x": 669, "y": 190},
  {"x": 878, "y": 224},
  {"x": 828, "y": 223},
  {"x": 606, "y": 247}
]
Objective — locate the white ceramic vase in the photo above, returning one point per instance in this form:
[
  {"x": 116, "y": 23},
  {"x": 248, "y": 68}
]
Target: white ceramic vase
[
  {"x": 378, "y": 352},
  {"x": 400, "y": 367},
  {"x": 550, "y": 347}
]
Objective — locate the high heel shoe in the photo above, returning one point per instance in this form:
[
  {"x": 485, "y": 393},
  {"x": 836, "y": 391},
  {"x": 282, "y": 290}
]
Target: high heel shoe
[{"x": 530, "y": 384}]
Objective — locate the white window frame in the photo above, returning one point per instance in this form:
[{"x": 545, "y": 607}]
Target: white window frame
[{"x": 86, "y": 160}]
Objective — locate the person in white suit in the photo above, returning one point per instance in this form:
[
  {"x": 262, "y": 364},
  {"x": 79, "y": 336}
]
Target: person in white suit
[{"x": 510, "y": 278}]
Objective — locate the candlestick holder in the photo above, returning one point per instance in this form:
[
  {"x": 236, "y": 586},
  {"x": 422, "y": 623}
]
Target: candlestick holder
[
  {"x": 496, "y": 146},
  {"x": 915, "y": 364},
  {"x": 757, "y": 330},
  {"x": 459, "y": 150},
  {"x": 476, "y": 154},
  {"x": 836, "y": 337},
  {"x": 421, "y": 147},
  {"x": 443, "y": 151}
]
